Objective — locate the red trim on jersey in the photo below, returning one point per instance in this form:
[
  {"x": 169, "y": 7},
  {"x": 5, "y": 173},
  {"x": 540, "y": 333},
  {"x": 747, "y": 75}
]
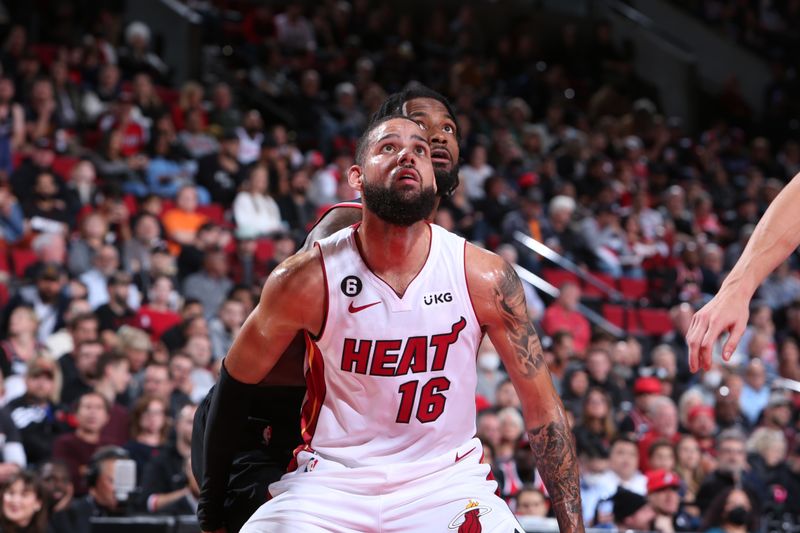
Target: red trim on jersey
[
  {"x": 335, "y": 206},
  {"x": 490, "y": 477},
  {"x": 366, "y": 265},
  {"x": 315, "y": 396},
  {"x": 325, "y": 300}
]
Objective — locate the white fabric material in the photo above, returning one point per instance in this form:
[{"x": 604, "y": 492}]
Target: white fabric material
[{"x": 429, "y": 338}]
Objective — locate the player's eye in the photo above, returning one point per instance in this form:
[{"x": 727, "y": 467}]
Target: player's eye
[
  {"x": 421, "y": 150},
  {"x": 388, "y": 148},
  {"x": 448, "y": 128},
  {"x": 422, "y": 125}
]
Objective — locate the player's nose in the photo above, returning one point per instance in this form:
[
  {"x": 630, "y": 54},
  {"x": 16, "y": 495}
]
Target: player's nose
[{"x": 406, "y": 157}]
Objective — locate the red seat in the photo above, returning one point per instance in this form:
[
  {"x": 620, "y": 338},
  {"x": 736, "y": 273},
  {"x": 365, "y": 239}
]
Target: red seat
[
  {"x": 590, "y": 291},
  {"x": 655, "y": 321},
  {"x": 632, "y": 288},
  {"x": 214, "y": 212},
  {"x": 558, "y": 277},
  {"x": 265, "y": 249},
  {"x": 3, "y": 294},
  {"x": 21, "y": 259},
  {"x": 621, "y": 317},
  {"x": 63, "y": 166}
]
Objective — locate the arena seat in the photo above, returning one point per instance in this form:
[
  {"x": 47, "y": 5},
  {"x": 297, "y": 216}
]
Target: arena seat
[
  {"x": 21, "y": 259},
  {"x": 214, "y": 212},
  {"x": 655, "y": 321},
  {"x": 622, "y": 317},
  {"x": 590, "y": 291},
  {"x": 558, "y": 277},
  {"x": 63, "y": 166},
  {"x": 633, "y": 289}
]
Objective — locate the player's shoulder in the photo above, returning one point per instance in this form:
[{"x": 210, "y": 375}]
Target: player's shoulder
[
  {"x": 299, "y": 274},
  {"x": 487, "y": 273},
  {"x": 336, "y": 217}
]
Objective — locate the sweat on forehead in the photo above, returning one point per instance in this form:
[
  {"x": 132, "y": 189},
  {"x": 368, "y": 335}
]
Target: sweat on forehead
[{"x": 366, "y": 138}]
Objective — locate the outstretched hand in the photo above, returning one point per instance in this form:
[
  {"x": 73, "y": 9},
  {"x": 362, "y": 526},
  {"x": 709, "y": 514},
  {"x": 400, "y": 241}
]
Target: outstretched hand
[{"x": 726, "y": 312}]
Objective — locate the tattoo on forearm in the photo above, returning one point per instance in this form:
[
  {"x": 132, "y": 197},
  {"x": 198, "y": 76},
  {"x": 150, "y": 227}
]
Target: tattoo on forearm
[
  {"x": 554, "y": 452},
  {"x": 510, "y": 301}
]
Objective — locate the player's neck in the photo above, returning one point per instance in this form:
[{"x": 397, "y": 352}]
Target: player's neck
[
  {"x": 435, "y": 209},
  {"x": 389, "y": 248}
]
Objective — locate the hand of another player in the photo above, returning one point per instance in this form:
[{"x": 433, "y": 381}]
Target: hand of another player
[{"x": 726, "y": 312}]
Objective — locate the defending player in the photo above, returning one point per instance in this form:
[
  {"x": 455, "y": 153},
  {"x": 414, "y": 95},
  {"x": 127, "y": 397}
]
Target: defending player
[
  {"x": 389, "y": 420},
  {"x": 776, "y": 236}
]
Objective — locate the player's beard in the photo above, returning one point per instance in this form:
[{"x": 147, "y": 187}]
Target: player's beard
[
  {"x": 396, "y": 207},
  {"x": 446, "y": 180}
]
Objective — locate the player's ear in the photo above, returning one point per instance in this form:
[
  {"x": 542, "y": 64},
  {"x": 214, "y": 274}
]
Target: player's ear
[{"x": 355, "y": 177}]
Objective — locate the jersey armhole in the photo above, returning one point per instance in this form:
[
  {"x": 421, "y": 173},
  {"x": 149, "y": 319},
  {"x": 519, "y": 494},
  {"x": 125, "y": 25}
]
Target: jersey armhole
[
  {"x": 331, "y": 208},
  {"x": 325, "y": 304}
]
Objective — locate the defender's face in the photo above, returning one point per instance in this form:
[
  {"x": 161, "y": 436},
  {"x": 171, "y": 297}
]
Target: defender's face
[{"x": 439, "y": 128}]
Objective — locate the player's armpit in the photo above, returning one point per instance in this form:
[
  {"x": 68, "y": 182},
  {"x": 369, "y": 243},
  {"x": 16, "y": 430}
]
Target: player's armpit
[
  {"x": 293, "y": 300},
  {"x": 554, "y": 449}
]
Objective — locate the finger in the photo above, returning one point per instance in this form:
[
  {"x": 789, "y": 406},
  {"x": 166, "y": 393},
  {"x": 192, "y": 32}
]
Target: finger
[
  {"x": 695, "y": 334},
  {"x": 735, "y": 336},
  {"x": 707, "y": 344}
]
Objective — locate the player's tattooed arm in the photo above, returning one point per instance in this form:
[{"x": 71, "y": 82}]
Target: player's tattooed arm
[
  {"x": 554, "y": 449},
  {"x": 510, "y": 302}
]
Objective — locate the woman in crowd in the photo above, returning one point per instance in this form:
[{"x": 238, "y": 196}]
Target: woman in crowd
[
  {"x": 733, "y": 511},
  {"x": 597, "y": 419},
  {"x": 255, "y": 211},
  {"x": 149, "y": 428},
  {"x": 21, "y": 346},
  {"x": 688, "y": 467},
  {"x": 23, "y": 507}
]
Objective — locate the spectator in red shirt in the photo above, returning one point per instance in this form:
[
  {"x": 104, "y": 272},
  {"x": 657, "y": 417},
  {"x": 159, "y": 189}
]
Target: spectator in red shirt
[
  {"x": 663, "y": 415},
  {"x": 76, "y": 449},
  {"x": 563, "y": 315},
  {"x": 157, "y": 316},
  {"x": 703, "y": 427}
]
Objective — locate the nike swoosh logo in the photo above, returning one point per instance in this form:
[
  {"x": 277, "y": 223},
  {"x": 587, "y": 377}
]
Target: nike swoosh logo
[
  {"x": 356, "y": 309},
  {"x": 466, "y": 454}
]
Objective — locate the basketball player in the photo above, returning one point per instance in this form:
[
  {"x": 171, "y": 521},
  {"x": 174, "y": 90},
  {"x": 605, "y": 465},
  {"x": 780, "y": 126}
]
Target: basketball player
[
  {"x": 389, "y": 419},
  {"x": 776, "y": 236},
  {"x": 272, "y": 416}
]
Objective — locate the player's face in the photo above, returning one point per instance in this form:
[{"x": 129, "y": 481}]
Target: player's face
[
  {"x": 440, "y": 129},
  {"x": 396, "y": 178}
]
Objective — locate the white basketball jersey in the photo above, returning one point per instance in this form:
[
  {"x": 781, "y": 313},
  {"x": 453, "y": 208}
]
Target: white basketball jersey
[{"x": 391, "y": 379}]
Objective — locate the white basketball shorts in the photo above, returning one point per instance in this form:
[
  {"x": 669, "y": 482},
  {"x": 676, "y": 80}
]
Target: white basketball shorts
[{"x": 448, "y": 494}]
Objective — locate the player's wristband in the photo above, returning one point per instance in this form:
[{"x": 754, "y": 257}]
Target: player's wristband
[{"x": 226, "y": 416}]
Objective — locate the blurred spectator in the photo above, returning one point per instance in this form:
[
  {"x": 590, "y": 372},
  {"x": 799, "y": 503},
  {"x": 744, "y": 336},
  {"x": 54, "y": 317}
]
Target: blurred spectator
[
  {"x": 35, "y": 413},
  {"x": 632, "y": 511},
  {"x": 24, "y": 506},
  {"x": 661, "y": 456},
  {"x": 76, "y": 449},
  {"x": 113, "y": 378},
  {"x": 146, "y": 99},
  {"x": 703, "y": 427},
  {"x": 636, "y": 421},
  {"x": 20, "y": 346},
  {"x": 57, "y": 485},
  {"x": 101, "y": 499},
  {"x": 732, "y": 469},
  {"x": 135, "y": 57},
  {"x": 165, "y": 483},
  {"x": 251, "y": 137},
  {"x": 598, "y": 482},
  {"x": 256, "y": 213},
  {"x": 137, "y": 251},
  {"x": 221, "y": 174},
  {"x": 596, "y": 423},
  {"x": 12, "y": 219},
  {"x": 688, "y": 466},
  {"x": 225, "y": 326},
  {"x": 211, "y": 285},
  {"x": 182, "y": 221},
  {"x": 149, "y": 429},
  {"x": 194, "y": 139},
  {"x": 563, "y": 314},
  {"x": 12, "y": 129},
  {"x": 663, "y": 417},
  {"x": 86, "y": 355},
  {"x": 293, "y": 31},
  {"x": 662, "y": 495},
  {"x": 191, "y": 99},
  {"x": 624, "y": 463},
  {"x": 767, "y": 457},
  {"x": 157, "y": 315},
  {"x": 46, "y": 299},
  {"x": 755, "y": 393},
  {"x": 41, "y": 160},
  {"x": 296, "y": 209},
  {"x": 117, "y": 312},
  {"x": 99, "y": 101},
  {"x": 732, "y": 510}
]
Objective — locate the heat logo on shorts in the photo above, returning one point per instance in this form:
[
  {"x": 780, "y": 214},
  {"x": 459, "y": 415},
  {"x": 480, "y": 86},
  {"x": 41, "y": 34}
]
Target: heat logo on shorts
[{"x": 468, "y": 520}]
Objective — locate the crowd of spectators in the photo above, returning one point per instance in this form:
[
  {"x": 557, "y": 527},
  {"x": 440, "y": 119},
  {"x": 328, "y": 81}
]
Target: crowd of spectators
[{"x": 140, "y": 216}]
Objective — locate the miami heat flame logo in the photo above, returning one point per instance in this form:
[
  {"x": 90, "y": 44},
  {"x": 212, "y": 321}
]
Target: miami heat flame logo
[{"x": 468, "y": 520}]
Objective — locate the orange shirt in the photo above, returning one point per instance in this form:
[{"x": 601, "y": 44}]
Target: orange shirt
[{"x": 178, "y": 220}]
